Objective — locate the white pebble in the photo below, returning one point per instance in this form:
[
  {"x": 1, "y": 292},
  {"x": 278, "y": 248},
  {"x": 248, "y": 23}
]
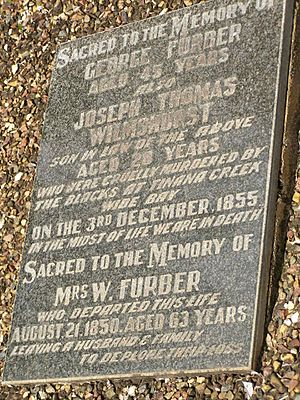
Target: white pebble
[
  {"x": 18, "y": 176},
  {"x": 14, "y": 68},
  {"x": 131, "y": 391},
  {"x": 249, "y": 389},
  {"x": 289, "y": 306},
  {"x": 295, "y": 317}
]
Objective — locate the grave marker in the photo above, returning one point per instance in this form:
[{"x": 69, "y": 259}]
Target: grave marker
[{"x": 152, "y": 217}]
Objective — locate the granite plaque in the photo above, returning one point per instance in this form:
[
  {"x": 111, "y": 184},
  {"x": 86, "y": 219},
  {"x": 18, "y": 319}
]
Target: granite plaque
[{"x": 152, "y": 214}]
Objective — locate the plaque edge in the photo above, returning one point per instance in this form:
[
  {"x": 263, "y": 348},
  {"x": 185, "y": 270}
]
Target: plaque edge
[
  {"x": 151, "y": 374},
  {"x": 215, "y": 3},
  {"x": 274, "y": 163}
]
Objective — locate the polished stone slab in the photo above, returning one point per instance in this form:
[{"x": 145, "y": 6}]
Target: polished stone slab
[{"x": 151, "y": 227}]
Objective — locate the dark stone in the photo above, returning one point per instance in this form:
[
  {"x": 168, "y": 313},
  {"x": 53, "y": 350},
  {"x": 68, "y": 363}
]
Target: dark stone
[{"x": 151, "y": 227}]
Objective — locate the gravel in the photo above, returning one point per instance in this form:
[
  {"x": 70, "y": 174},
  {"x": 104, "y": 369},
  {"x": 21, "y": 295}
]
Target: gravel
[{"x": 29, "y": 33}]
